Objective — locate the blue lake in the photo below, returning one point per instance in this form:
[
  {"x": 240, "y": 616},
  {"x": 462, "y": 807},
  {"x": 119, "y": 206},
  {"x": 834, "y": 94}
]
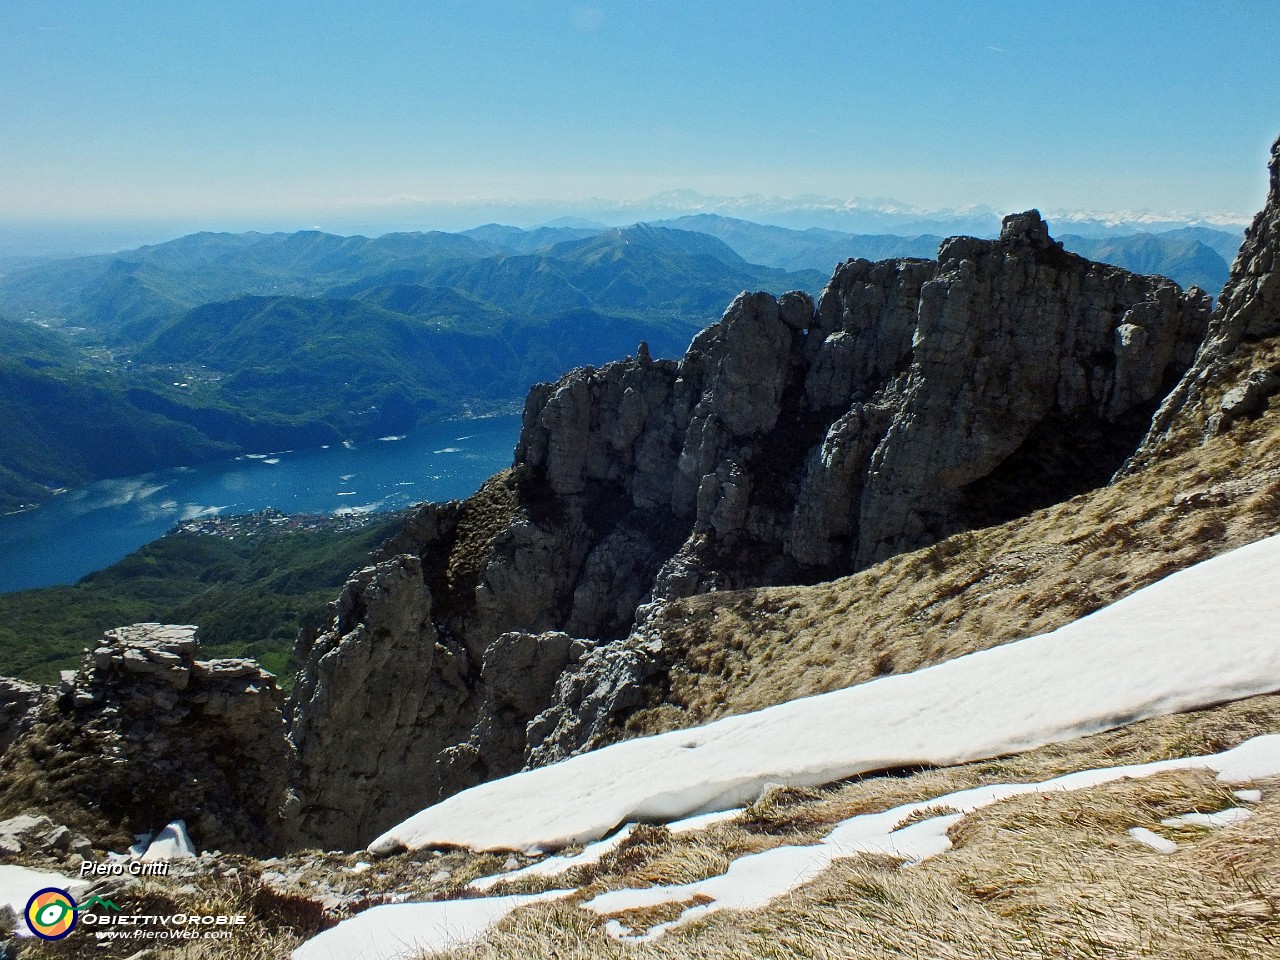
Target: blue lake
[{"x": 90, "y": 528}]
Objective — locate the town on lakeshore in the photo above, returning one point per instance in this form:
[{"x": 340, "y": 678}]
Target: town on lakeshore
[{"x": 273, "y": 522}]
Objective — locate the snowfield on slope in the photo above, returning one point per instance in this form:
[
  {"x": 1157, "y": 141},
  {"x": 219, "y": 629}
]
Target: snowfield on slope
[
  {"x": 405, "y": 931},
  {"x": 755, "y": 880},
  {"x": 1205, "y": 635}
]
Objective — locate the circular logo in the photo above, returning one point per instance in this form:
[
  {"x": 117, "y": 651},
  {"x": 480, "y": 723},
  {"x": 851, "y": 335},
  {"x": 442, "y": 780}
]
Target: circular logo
[{"x": 51, "y": 913}]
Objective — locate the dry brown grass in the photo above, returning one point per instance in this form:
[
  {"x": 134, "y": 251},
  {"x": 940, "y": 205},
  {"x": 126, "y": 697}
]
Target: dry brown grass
[
  {"x": 482, "y": 517},
  {"x": 276, "y": 923},
  {"x": 744, "y": 650},
  {"x": 1031, "y": 877}
]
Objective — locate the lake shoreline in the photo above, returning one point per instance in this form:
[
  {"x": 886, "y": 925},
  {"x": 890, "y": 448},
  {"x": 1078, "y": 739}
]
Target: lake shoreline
[{"x": 86, "y": 529}]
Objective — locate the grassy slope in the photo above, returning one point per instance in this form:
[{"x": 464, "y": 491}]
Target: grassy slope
[
  {"x": 249, "y": 596},
  {"x": 1031, "y": 877},
  {"x": 740, "y": 651}
]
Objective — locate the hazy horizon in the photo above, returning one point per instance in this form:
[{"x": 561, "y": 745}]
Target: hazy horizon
[
  {"x": 233, "y": 115},
  {"x": 52, "y": 237}
]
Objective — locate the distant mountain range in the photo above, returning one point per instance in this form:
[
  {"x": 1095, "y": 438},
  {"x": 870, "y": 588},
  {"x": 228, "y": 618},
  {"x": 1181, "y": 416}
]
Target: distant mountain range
[
  {"x": 874, "y": 215},
  {"x": 216, "y": 344},
  {"x": 1188, "y": 255},
  {"x": 1191, "y": 255}
]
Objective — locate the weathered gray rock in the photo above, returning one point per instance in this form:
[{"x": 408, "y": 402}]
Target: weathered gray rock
[
  {"x": 390, "y": 714},
  {"x": 793, "y": 442},
  {"x": 522, "y": 668},
  {"x": 1247, "y": 399},
  {"x": 591, "y": 696},
  {"x": 18, "y": 701},
  {"x": 387, "y": 689},
  {"x": 30, "y": 832},
  {"x": 143, "y": 734},
  {"x": 1247, "y": 311}
]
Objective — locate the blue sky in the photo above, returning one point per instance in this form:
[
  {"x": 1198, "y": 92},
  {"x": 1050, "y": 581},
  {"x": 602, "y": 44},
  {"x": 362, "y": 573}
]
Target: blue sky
[{"x": 277, "y": 108}]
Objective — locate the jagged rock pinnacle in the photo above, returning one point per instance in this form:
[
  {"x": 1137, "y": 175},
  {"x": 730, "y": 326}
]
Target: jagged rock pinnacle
[{"x": 1029, "y": 225}]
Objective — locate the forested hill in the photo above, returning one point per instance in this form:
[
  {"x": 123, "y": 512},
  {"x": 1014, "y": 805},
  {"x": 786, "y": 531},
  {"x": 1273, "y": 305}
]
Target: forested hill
[{"x": 216, "y": 344}]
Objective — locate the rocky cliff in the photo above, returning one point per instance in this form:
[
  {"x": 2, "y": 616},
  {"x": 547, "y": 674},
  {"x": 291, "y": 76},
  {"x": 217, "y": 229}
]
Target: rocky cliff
[
  {"x": 1222, "y": 386},
  {"x": 792, "y": 443},
  {"x": 143, "y": 734}
]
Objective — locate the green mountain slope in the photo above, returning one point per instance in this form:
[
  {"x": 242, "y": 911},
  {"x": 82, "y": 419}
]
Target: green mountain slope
[
  {"x": 515, "y": 240},
  {"x": 250, "y": 596},
  {"x": 127, "y": 295},
  {"x": 216, "y": 344},
  {"x": 1183, "y": 259}
]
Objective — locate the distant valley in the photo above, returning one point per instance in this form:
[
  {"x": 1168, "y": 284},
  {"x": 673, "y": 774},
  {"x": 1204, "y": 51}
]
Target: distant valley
[{"x": 215, "y": 345}]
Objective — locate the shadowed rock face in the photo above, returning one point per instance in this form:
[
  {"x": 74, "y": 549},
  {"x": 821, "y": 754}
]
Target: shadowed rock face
[{"x": 792, "y": 443}]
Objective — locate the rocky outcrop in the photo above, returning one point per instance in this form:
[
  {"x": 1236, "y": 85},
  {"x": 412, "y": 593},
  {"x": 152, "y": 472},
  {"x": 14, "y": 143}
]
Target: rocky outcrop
[
  {"x": 35, "y": 834},
  {"x": 1247, "y": 312},
  {"x": 397, "y": 687},
  {"x": 144, "y": 733},
  {"x": 794, "y": 442},
  {"x": 18, "y": 700},
  {"x": 591, "y": 695},
  {"x": 420, "y": 715},
  {"x": 918, "y": 399}
]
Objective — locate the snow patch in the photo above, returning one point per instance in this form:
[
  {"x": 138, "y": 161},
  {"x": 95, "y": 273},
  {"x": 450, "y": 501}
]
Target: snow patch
[
  {"x": 17, "y": 884},
  {"x": 404, "y": 930},
  {"x": 1153, "y": 840},
  {"x": 140, "y": 843},
  {"x": 1203, "y": 636},
  {"x": 753, "y": 881},
  {"x": 703, "y": 820},
  {"x": 1223, "y": 818},
  {"x": 171, "y": 843},
  {"x": 554, "y": 866},
  {"x": 397, "y": 931}
]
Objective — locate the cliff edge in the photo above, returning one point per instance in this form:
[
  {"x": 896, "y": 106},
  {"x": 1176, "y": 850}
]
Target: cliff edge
[{"x": 793, "y": 443}]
